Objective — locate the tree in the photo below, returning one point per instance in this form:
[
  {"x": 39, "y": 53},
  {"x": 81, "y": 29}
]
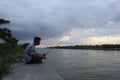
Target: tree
[
  {"x": 3, "y": 21},
  {"x": 6, "y": 34}
]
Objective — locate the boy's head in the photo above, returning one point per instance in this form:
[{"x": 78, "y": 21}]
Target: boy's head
[{"x": 37, "y": 40}]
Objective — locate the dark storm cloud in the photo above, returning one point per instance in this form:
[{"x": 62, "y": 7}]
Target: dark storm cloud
[{"x": 50, "y": 18}]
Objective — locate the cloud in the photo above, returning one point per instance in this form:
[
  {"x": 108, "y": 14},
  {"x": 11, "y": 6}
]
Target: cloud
[
  {"x": 55, "y": 18},
  {"x": 115, "y": 39}
]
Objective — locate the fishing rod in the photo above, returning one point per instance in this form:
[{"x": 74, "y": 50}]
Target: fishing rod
[
  {"x": 66, "y": 38},
  {"x": 56, "y": 45}
]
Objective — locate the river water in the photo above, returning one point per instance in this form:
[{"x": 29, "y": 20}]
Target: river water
[{"x": 74, "y": 64}]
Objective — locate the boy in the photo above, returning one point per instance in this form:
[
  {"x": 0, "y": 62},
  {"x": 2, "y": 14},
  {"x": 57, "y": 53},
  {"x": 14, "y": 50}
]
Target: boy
[{"x": 31, "y": 56}]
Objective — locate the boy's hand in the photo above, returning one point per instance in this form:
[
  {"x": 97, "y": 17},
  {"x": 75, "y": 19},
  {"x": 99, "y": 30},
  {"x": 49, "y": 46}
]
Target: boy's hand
[{"x": 44, "y": 56}]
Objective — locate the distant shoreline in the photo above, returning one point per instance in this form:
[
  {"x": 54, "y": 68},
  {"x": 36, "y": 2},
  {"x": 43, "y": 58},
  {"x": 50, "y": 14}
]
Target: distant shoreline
[{"x": 90, "y": 47}]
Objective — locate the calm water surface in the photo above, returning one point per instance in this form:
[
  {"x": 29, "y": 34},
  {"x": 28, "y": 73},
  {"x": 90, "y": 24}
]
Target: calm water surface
[{"x": 74, "y": 64}]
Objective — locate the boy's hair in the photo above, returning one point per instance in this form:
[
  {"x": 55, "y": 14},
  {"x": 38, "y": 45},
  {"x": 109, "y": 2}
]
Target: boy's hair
[{"x": 37, "y": 38}]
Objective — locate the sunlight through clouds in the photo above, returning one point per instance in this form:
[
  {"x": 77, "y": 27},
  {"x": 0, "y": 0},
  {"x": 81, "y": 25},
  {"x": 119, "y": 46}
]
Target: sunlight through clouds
[
  {"x": 103, "y": 40},
  {"x": 65, "y": 38}
]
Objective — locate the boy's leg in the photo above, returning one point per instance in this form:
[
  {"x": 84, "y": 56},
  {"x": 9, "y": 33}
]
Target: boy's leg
[{"x": 35, "y": 59}]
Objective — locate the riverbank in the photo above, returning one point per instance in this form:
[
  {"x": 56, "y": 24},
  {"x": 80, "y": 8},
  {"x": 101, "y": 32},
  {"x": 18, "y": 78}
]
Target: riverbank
[
  {"x": 8, "y": 55},
  {"x": 21, "y": 71}
]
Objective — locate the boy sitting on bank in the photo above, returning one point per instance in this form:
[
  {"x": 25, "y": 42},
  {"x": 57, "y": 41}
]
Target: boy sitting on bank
[{"x": 31, "y": 56}]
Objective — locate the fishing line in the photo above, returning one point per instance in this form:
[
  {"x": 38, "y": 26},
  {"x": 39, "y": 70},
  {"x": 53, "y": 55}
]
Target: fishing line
[
  {"x": 58, "y": 44},
  {"x": 64, "y": 39}
]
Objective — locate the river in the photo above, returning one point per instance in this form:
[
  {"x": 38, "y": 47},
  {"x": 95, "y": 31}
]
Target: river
[{"x": 76, "y": 64}]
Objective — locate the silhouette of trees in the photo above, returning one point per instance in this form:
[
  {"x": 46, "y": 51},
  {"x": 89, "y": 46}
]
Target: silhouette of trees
[
  {"x": 3, "y": 21},
  {"x": 6, "y": 34},
  {"x": 93, "y": 47}
]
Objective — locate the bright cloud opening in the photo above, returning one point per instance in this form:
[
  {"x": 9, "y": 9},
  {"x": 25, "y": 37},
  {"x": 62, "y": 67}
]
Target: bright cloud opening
[
  {"x": 103, "y": 40},
  {"x": 65, "y": 38}
]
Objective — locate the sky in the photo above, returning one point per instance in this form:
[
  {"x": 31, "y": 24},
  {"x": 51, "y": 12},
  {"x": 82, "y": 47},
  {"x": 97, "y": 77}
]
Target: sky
[{"x": 74, "y": 22}]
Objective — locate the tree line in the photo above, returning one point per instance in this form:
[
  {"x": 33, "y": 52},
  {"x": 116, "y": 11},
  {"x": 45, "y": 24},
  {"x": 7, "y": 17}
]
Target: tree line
[{"x": 96, "y": 47}]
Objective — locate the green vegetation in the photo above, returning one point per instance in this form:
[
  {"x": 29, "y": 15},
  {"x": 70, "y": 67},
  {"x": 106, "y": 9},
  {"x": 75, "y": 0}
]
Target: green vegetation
[
  {"x": 94, "y": 47},
  {"x": 8, "y": 55},
  {"x": 9, "y": 50}
]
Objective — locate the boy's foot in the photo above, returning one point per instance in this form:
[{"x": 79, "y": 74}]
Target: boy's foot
[{"x": 40, "y": 62}]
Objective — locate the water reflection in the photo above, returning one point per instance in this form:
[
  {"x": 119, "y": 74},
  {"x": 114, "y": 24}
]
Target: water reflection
[{"x": 86, "y": 64}]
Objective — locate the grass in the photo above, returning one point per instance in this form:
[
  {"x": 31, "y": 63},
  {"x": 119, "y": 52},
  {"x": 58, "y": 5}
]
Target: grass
[{"x": 8, "y": 55}]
